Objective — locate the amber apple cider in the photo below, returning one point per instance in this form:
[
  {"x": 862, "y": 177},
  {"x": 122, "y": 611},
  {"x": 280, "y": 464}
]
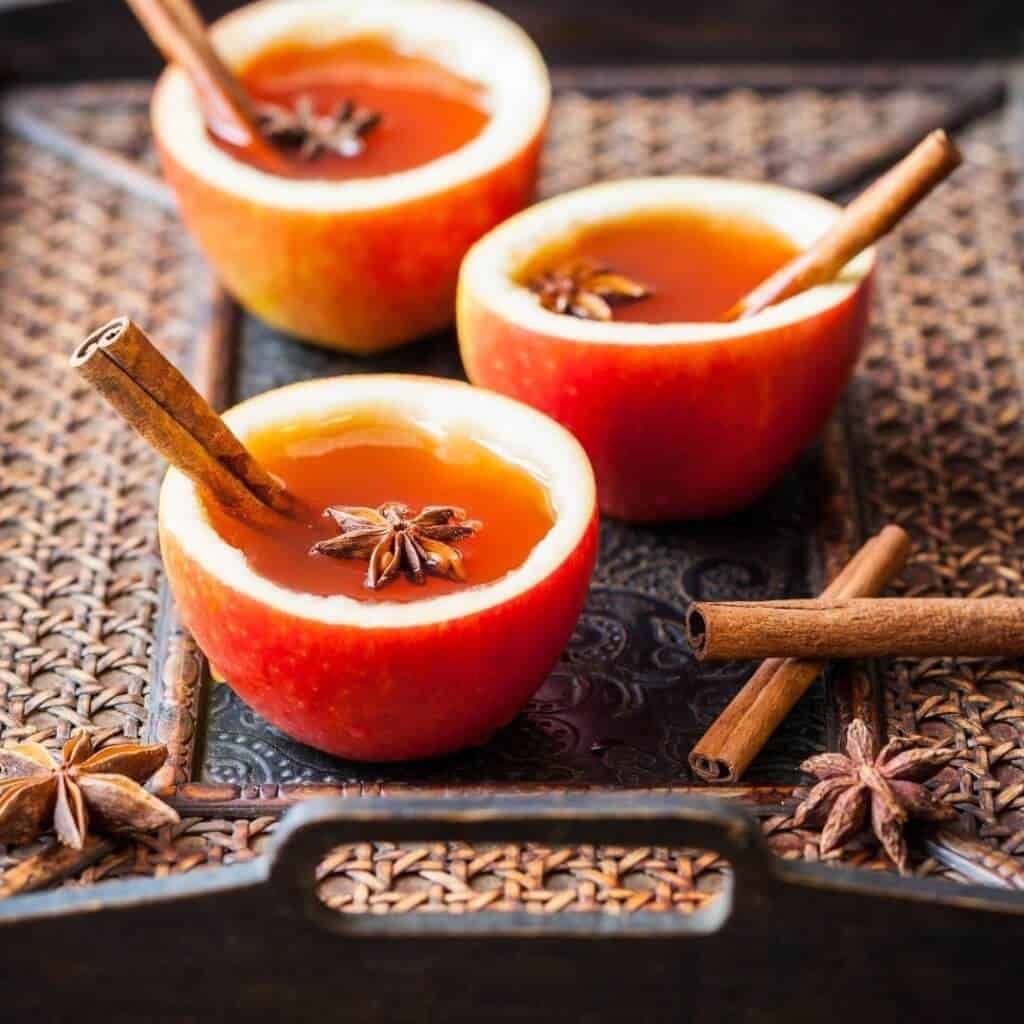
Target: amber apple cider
[
  {"x": 695, "y": 264},
  {"x": 426, "y": 111},
  {"x": 369, "y": 459}
]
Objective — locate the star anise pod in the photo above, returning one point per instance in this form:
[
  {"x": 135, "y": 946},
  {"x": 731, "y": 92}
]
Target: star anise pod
[
  {"x": 302, "y": 128},
  {"x": 394, "y": 541},
  {"x": 585, "y": 290},
  {"x": 99, "y": 788},
  {"x": 884, "y": 787}
]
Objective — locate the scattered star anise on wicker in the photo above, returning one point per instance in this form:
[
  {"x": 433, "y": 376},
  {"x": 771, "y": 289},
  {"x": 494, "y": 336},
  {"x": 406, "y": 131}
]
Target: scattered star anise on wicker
[
  {"x": 342, "y": 133},
  {"x": 395, "y": 541},
  {"x": 585, "y": 290},
  {"x": 87, "y": 788},
  {"x": 863, "y": 784}
]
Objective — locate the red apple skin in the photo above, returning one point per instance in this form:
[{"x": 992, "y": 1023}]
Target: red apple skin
[
  {"x": 361, "y": 281},
  {"x": 383, "y": 694},
  {"x": 683, "y": 431}
]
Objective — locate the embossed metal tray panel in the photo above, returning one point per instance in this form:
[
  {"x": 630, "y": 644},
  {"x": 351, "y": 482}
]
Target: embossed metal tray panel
[{"x": 626, "y": 701}]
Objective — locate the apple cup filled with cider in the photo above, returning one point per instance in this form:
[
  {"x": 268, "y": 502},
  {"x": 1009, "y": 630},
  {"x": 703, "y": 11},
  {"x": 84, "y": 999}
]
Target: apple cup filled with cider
[
  {"x": 602, "y": 307},
  {"x": 432, "y": 575},
  {"x": 401, "y": 131}
]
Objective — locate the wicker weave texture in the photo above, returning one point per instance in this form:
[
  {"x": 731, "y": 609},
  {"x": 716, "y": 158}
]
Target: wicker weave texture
[
  {"x": 935, "y": 428},
  {"x": 78, "y": 566}
]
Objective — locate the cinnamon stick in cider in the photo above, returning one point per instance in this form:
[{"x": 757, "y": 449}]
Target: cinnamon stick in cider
[
  {"x": 921, "y": 627},
  {"x": 739, "y": 733},
  {"x": 874, "y": 213},
  {"x": 179, "y": 32},
  {"x": 159, "y": 402}
]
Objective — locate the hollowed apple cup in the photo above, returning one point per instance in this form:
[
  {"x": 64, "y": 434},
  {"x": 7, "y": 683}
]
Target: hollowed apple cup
[
  {"x": 680, "y": 420},
  {"x": 369, "y": 263},
  {"x": 383, "y": 680}
]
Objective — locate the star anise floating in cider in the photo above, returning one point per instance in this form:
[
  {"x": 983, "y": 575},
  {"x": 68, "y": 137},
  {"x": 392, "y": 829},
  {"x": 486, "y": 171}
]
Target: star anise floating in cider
[
  {"x": 655, "y": 267},
  {"x": 101, "y": 788},
  {"x": 378, "y": 475},
  {"x": 585, "y": 290},
  {"x": 301, "y": 128},
  {"x": 356, "y": 108},
  {"x": 395, "y": 541}
]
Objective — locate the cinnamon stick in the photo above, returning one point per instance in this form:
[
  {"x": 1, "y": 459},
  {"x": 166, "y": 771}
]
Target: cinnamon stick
[
  {"x": 739, "y": 733},
  {"x": 156, "y": 399},
  {"x": 874, "y": 213},
  {"x": 919, "y": 627},
  {"x": 179, "y": 32}
]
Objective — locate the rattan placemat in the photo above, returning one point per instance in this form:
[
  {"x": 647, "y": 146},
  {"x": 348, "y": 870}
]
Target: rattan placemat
[{"x": 933, "y": 419}]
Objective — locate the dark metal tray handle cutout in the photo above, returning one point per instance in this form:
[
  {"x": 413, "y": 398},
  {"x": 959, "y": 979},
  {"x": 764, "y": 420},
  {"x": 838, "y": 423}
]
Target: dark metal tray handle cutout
[{"x": 311, "y": 829}]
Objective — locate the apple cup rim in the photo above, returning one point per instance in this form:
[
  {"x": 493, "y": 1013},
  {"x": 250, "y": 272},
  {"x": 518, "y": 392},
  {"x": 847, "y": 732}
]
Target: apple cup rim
[
  {"x": 490, "y": 272},
  {"x": 515, "y": 429},
  {"x": 516, "y": 92}
]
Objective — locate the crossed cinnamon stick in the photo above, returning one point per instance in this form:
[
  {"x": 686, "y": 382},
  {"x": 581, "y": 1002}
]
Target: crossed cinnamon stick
[
  {"x": 848, "y": 621},
  {"x": 735, "y": 738}
]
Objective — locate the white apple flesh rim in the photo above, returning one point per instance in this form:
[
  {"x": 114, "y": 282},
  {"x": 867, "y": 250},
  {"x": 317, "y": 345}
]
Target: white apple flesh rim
[
  {"x": 514, "y": 431},
  {"x": 464, "y": 37},
  {"x": 490, "y": 272}
]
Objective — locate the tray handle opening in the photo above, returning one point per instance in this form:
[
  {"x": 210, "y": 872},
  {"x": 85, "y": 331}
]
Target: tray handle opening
[{"x": 310, "y": 830}]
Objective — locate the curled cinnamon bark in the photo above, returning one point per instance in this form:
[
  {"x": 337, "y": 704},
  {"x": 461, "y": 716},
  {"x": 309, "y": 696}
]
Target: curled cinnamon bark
[
  {"x": 155, "y": 398},
  {"x": 874, "y": 213},
  {"x": 179, "y": 33}
]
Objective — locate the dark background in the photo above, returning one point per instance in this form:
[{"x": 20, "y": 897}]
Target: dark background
[{"x": 67, "y": 39}]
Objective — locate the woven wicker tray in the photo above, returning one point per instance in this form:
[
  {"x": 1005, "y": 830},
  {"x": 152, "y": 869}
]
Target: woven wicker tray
[{"x": 928, "y": 438}]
